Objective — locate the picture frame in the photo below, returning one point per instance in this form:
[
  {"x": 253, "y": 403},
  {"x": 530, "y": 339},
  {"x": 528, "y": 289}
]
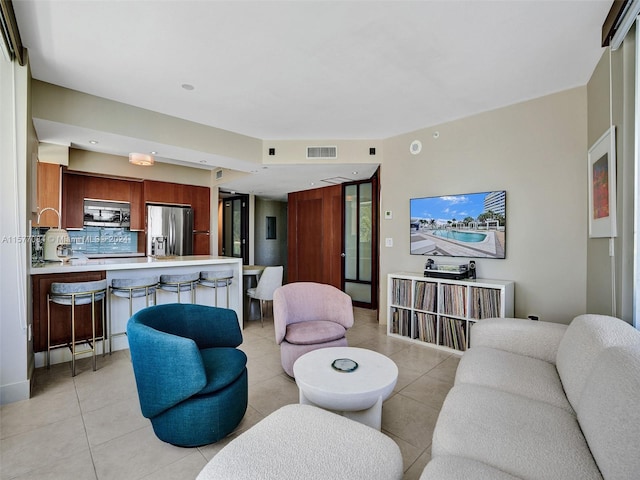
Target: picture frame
[
  {"x": 271, "y": 228},
  {"x": 602, "y": 186}
]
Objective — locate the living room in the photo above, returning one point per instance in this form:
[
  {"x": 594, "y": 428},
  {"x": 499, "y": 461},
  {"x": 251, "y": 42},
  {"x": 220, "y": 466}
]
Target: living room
[{"x": 535, "y": 149}]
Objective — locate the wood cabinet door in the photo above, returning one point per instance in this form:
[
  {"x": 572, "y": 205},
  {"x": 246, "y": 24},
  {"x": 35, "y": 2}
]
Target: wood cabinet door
[
  {"x": 164, "y": 192},
  {"x": 48, "y": 193},
  {"x": 102, "y": 188},
  {"x": 137, "y": 206},
  {"x": 73, "y": 200},
  {"x": 201, "y": 204},
  {"x": 201, "y": 245},
  {"x": 61, "y": 314}
]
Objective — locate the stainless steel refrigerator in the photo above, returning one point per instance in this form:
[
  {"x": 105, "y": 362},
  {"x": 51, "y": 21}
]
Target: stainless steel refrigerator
[{"x": 169, "y": 230}]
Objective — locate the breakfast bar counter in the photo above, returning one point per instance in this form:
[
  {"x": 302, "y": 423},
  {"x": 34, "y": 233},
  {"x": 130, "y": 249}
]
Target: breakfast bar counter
[{"x": 123, "y": 268}]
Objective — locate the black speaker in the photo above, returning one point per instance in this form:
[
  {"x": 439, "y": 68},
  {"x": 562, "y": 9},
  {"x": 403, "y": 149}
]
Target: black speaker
[
  {"x": 472, "y": 269},
  {"x": 272, "y": 151},
  {"x": 372, "y": 151}
]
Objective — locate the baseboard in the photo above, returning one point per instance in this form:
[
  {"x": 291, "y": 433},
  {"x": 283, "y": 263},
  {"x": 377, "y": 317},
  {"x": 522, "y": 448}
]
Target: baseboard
[{"x": 15, "y": 392}]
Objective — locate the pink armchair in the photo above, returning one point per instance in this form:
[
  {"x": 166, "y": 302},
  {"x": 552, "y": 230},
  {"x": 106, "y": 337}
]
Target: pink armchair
[{"x": 308, "y": 316}]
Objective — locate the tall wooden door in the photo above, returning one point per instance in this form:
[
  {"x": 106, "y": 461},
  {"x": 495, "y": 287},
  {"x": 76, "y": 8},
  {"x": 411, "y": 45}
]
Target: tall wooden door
[{"x": 314, "y": 236}]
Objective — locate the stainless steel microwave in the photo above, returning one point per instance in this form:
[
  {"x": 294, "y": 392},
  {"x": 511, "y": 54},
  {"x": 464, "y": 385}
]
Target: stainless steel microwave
[{"x": 105, "y": 213}]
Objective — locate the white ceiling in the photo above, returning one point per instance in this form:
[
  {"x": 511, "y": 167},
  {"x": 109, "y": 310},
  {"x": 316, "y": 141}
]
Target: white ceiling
[{"x": 310, "y": 69}]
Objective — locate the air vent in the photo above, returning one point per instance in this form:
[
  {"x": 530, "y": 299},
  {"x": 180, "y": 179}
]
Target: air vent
[
  {"x": 218, "y": 174},
  {"x": 322, "y": 152}
]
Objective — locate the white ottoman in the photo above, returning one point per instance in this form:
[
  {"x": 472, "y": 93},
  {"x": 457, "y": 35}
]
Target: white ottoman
[{"x": 305, "y": 442}]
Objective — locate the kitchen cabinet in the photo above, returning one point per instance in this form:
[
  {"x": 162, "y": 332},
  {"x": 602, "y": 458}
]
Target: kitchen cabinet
[
  {"x": 77, "y": 187},
  {"x": 61, "y": 314},
  {"x": 48, "y": 193},
  {"x": 102, "y": 188},
  {"x": 201, "y": 244},
  {"x": 73, "y": 201},
  {"x": 201, "y": 203},
  {"x": 137, "y": 206},
  {"x": 166, "y": 192}
]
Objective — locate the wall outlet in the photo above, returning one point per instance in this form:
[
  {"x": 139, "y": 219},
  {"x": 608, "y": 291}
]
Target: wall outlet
[{"x": 388, "y": 242}]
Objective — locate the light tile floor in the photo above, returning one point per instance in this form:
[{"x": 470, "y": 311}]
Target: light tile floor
[{"x": 90, "y": 426}]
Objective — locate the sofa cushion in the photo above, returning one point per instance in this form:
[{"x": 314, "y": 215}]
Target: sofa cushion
[
  {"x": 314, "y": 332},
  {"x": 518, "y": 335},
  {"x": 449, "y": 467},
  {"x": 587, "y": 336},
  {"x": 512, "y": 373},
  {"x": 222, "y": 367},
  {"x": 609, "y": 415},
  {"x": 517, "y": 435}
]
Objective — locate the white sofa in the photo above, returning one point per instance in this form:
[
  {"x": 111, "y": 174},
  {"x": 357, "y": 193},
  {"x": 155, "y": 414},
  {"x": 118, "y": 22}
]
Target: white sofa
[{"x": 538, "y": 400}]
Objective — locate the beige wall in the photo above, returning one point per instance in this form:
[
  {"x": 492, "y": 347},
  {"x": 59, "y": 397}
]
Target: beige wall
[
  {"x": 85, "y": 161},
  {"x": 536, "y": 151},
  {"x": 611, "y": 100}
]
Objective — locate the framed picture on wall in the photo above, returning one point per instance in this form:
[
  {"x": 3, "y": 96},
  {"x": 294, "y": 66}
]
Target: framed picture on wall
[
  {"x": 602, "y": 186},
  {"x": 271, "y": 228}
]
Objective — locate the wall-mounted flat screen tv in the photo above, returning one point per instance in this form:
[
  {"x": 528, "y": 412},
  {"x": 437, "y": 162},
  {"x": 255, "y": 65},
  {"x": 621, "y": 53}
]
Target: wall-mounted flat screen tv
[{"x": 468, "y": 225}]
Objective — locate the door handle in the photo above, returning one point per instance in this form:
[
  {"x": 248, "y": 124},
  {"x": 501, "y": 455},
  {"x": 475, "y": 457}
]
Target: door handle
[{"x": 343, "y": 255}]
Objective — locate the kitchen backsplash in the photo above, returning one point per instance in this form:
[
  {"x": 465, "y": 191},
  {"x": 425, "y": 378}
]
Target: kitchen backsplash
[{"x": 101, "y": 240}]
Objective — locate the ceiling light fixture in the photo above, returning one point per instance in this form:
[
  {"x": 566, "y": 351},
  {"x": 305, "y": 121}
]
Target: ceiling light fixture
[
  {"x": 93, "y": 142},
  {"x": 141, "y": 159},
  {"x": 187, "y": 86}
]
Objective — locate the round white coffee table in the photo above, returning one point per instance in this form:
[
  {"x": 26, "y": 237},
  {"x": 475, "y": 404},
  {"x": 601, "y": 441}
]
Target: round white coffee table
[{"x": 357, "y": 394}]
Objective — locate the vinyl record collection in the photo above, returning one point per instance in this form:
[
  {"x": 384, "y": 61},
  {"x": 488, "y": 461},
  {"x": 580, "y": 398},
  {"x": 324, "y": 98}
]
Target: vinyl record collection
[{"x": 485, "y": 303}]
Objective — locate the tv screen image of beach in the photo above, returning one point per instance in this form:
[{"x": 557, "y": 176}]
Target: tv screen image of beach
[{"x": 468, "y": 225}]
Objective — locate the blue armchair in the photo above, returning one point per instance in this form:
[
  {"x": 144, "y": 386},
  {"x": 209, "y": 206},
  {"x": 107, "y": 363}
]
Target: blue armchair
[{"x": 191, "y": 378}]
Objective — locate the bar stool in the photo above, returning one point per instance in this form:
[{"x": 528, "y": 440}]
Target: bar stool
[
  {"x": 180, "y": 283},
  {"x": 217, "y": 279},
  {"x": 72, "y": 294},
  {"x": 130, "y": 288}
]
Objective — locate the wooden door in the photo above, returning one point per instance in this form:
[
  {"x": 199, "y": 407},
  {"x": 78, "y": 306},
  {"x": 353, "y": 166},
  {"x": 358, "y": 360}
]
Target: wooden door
[{"x": 315, "y": 236}]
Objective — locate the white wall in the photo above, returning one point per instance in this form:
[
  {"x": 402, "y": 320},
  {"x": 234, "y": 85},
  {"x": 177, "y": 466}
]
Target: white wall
[
  {"x": 536, "y": 151},
  {"x": 15, "y": 360}
]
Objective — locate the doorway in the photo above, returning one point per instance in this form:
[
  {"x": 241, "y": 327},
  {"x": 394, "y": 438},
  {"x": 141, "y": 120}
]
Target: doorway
[
  {"x": 235, "y": 227},
  {"x": 360, "y": 242}
]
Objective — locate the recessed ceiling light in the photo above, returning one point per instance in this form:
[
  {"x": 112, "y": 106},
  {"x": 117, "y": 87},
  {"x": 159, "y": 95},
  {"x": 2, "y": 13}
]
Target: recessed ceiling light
[
  {"x": 188, "y": 86},
  {"x": 153, "y": 153},
  {"x": 93, "y": 142},
  {"x": 203, "y": 161},
  {"x": 354, "y": 172}
]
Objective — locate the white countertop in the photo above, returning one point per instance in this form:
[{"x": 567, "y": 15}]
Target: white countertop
[{"x": 109, "y": 264}]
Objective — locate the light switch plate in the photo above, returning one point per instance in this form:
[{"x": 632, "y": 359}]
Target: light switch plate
[
  {"x": 388, "y": 242},
  {"x": 388, "y": 214}
]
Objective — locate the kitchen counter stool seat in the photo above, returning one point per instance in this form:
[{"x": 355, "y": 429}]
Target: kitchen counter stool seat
[
  {"x": 217, "y": 279},
  {"x": 179, "y": 283},
  {"x": 130, "y": 288},
  {"x": 73, "y": 294}
]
